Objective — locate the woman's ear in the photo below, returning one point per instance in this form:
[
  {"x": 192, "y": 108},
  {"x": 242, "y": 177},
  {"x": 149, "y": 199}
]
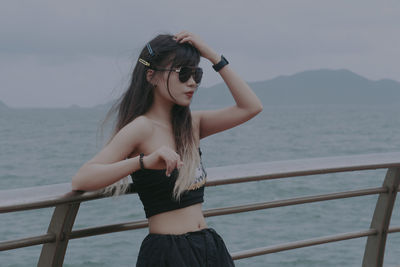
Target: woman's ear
[{"x": 149, "y": 75}]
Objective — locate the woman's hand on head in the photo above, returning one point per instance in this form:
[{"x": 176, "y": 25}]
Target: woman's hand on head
[
  {"x": 196, "y": 41},
  {"x": 165, "y": 157}
]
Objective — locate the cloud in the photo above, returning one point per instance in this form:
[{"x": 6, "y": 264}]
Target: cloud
[{"x": 61, "y": 46}]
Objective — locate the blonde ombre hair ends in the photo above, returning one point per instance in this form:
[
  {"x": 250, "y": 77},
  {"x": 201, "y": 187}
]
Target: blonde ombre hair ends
[{"x": 191, "y": 160}]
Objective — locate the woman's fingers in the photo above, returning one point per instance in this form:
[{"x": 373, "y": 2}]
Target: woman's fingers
[
  {"x": 172, "y": 161},
  {"x": 180, "y": 164},
  {"x": 196, "y": 41},
  {"x": 169, "y": 168},
  {"x": 181, "y": 35},
  {"x": 185, "y": 36},
  {"x": 164, "y": 156},
  {"x": 186, "y": 39}
]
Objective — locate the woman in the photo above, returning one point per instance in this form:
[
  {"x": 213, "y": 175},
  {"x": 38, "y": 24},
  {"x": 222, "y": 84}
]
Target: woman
[{"x": 156, "y": 140}]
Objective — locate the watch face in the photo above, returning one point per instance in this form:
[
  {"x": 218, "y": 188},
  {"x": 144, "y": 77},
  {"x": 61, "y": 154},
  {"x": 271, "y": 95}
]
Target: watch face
[{"x": 221, "y": 64}]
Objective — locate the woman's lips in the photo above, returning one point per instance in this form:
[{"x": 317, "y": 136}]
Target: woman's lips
[{"x": 189, "y": 94}]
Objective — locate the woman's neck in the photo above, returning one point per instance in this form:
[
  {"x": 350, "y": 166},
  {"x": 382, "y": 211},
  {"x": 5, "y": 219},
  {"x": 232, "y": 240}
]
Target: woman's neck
[{"x": 160, "y": 111}]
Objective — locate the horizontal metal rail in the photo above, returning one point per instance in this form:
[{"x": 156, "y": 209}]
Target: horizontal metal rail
[
  {"x": 27, "y": 242},
  {"x": 112, "y": 228},
  {"x": 43, "y": 197},
  {"x": 48, "y": 238},
  {"x": 301, "y": 244},
  {"x": 394, "y": 230},
  {"x": 293, "y": 201},
  {"x": 303, "y": 167},
  {"x": 53, "y": 195}
]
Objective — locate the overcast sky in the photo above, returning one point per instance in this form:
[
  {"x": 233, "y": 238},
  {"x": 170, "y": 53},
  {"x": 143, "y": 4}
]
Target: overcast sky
[{"x": 59, "y": 53}]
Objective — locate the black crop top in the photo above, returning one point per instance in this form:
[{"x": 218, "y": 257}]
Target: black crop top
[{"x": 155, "y": 190}]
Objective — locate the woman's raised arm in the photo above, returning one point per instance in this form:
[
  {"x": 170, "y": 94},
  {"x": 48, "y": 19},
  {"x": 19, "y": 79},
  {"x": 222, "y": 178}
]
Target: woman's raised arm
[{"x": 247, "y": 103}]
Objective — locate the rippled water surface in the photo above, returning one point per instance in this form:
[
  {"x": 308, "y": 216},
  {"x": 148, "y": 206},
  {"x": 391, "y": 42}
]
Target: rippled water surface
[{"x": 47, "y": 146}]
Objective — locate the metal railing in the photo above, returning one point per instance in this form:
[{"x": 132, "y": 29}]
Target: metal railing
[{"x": 67, "y": 202}]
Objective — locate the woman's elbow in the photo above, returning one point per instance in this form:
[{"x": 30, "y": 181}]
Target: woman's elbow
[
  {"x": 256, "y": 109},
  {"x": 76, "y": 183},
  {"x": 78, "y": 180},
  {"x": 259, "y": 108}
]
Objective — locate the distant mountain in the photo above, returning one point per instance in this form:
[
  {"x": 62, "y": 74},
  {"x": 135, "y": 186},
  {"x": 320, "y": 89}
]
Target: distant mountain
[{"x": 322, "y": 86}]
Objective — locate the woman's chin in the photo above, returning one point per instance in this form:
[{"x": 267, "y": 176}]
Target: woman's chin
[{"x": 184, "y": 103}]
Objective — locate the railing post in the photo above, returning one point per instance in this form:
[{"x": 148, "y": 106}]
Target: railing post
[
  {"x": 375, "y": 247},
  {"x": 63, "y": 219}
]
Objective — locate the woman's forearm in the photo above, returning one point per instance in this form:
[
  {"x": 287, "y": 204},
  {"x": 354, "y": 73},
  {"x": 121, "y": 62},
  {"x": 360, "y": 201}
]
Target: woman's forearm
[
  {"x": 241, "y": 92},
  {"x": 94, "y": 176}
]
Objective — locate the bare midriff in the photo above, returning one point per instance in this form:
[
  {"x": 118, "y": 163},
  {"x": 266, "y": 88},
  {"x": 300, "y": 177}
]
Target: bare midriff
[{"x": 178, "y": 221}]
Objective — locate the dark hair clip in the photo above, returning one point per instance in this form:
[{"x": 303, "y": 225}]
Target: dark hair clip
[{"x": 150, "y": 50}]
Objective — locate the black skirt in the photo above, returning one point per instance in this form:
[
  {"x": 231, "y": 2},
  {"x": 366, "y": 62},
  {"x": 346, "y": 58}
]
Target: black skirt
[{"x": 200, "y": 248}]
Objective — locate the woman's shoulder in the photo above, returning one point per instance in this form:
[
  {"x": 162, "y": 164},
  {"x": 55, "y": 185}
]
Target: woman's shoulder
[
  {"x": 196, "y": 114},
  {"x": 140, "y": 124},
  {"x": 196, "y": 118}
]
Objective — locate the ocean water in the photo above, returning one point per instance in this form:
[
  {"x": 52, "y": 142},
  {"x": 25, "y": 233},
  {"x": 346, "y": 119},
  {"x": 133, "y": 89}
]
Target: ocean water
[{"x": 47, "y": 146}]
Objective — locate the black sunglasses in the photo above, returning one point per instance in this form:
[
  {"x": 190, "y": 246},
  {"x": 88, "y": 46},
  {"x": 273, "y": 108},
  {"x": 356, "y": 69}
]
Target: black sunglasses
[{"x": 186, "y": 72}]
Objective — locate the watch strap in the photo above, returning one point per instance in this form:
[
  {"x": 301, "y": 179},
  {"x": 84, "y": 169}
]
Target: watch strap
[{"x": 222, "y": 63}]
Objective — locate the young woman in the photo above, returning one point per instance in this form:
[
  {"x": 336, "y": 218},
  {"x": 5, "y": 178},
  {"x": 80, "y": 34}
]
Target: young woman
[{"x": 156, "y": 141}]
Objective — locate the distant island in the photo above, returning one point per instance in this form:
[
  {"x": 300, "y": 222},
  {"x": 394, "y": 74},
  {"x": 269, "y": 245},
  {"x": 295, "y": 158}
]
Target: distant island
[
  {"x": 324, "y": 86},
  {"x": 312, "y": 87}
]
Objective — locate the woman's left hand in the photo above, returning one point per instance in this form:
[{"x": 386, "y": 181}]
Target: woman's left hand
[{"x": 196, "y": 41}]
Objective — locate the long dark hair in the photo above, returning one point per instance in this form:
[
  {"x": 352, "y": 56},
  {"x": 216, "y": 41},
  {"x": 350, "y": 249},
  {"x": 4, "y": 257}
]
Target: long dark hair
[{"x": 138, "y": 98}]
